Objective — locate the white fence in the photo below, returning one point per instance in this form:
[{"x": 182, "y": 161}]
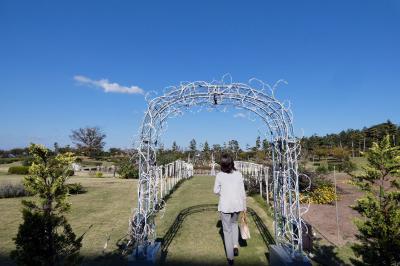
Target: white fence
[
  {"x": 169, "y": 175},
  {"x": 257, "y": 172}
]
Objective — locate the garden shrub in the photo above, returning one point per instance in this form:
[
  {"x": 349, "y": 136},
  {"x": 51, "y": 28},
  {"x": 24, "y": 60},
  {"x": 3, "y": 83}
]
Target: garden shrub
[
  {"x": 45, "y": 237},
  {"x": 323, "y": 195},
  {"x": 126, "y": 169},
  {"x": 76, "y": 188},
  {"x": 321, "y": 190},
  {"x": 332, "y": 166},
  {"x": 70, "y": 172},
  {"x": 18, "y": 170},
  {"x": 27, "y": 161},
  {"x": 322, "y": 169},
  {"x": 348, "y": 167},
  {"x": 10, "y": 190},
  {"x": 378, "y": 227},
  {"x": 252, "y": 186},
  {"x": 304, "y": 182},
  {"x": 98, "y": 174},
  {"x": 319, "y": 182}
]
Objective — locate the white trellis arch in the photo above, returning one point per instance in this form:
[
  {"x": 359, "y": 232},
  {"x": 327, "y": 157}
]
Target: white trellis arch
[{"x": 285, "y": 151}]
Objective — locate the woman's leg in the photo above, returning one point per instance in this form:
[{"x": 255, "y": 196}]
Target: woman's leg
[
  {"x": 227, "y": 228},
  {"x": 235, "y": 229}
]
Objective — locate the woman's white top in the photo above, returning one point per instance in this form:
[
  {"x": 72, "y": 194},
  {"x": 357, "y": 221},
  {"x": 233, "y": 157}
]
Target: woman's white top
[{"x": 230, "y": 188}]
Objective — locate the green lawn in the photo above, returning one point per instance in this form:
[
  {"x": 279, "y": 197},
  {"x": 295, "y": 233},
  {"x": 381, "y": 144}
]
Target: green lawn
[
  {"x": 360, "y": 162},
  {"x": 107, "y": 206},
  {"x": 198, "y": 241}
]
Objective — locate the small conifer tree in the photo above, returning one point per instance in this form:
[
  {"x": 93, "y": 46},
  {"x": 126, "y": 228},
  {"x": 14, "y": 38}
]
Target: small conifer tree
[
  {"x": 45, "y": 237},
  {"x": 379, "y": 228}
]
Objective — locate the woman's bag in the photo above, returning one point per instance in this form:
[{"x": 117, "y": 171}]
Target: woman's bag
[{"x": 244, "y": 227}]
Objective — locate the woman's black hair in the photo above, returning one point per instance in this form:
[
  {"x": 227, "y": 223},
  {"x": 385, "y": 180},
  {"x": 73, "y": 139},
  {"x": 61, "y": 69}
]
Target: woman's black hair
[{"x": 227, "y": 164}]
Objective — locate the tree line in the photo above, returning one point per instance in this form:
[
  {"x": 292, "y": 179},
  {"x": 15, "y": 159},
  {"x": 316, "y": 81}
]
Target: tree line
[
  {"x": 203, "y": 152},
  {"x": 90, "y": 141},
  {"x": 354, "y": 141}
]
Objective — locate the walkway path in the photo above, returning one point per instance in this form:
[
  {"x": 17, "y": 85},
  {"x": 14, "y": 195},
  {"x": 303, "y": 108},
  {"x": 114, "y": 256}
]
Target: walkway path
[{"x": 193, "y": 234}]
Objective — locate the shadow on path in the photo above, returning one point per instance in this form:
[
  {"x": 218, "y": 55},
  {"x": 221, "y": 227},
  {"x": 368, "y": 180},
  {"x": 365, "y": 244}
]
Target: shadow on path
[{"x": 177, "y": 224}]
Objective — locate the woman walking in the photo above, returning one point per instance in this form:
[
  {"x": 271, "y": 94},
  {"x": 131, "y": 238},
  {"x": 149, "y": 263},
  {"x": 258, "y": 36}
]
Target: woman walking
[{"x": 232, "y": 200}]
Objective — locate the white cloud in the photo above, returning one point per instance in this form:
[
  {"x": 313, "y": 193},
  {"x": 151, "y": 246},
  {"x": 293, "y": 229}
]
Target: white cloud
[
  {"x": 239, "y": 115},
  {"x": 108, "y": 86}
]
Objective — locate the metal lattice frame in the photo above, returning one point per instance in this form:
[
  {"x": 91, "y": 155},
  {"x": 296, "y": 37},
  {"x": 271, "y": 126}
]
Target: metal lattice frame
[{"x": 285, "y": 151}]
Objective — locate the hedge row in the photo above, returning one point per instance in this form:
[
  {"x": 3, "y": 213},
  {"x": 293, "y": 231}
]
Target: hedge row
[
  {"x": 9, "y": 160},
  {"x": 18, "y": 170}
]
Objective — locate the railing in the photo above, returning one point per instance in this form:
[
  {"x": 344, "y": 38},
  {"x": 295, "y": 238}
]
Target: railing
[
  {"x": 258, "y": 173},
  {"x": 169, "y": 175}
]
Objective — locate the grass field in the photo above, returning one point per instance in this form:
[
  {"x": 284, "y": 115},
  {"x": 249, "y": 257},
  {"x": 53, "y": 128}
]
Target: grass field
[
  {"x": 105, "y": 208},
  {"x": 198, "y": 241},
  {"x": 107, "y": 205},
  {"x": 359, "y": 162}
]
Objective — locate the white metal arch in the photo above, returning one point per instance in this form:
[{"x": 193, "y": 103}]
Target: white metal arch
[{"x": 285, "y": 151}]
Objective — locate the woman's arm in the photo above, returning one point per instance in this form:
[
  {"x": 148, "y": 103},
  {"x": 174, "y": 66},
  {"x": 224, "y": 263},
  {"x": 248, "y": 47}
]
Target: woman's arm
[{"x": 217, "y": 185}]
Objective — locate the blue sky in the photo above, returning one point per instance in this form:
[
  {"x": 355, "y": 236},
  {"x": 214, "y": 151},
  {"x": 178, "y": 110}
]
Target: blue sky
[{"x": 341, "y": 60}]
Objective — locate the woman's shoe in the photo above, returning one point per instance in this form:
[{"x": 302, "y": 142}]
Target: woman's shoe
[
  {"x": 236, "y": 252},
  {"x": 230, "y": 262}
]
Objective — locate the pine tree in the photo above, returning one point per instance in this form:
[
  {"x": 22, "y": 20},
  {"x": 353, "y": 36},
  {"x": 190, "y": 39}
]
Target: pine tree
[
  {"x": 193, "y": 146},
  {"x": 379, "y": 230},
  {"x": 45, "y": 237},
  {"x": 206, "y": 147},
  {"x": 258, "y": 143},
  {"x": 265, "y": 146},
  {"x": 206, "y": 150},
  {"x": 234, "y": 148},
  {"x": 174, "y": 146}
]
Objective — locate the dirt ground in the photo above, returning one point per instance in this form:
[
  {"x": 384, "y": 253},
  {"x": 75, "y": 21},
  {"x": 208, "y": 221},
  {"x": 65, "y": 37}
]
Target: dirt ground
[{"x": 323, "y": 217}]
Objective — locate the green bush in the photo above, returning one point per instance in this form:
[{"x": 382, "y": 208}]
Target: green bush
[
  {"x": 321, "y": 195},
  {"x": 321, "y": 190},
  {"x": 99, "y": 174},
  {"x": 70, "y": 172},
  {"x": 76, "y": 188},
  {"x": 126, "y": 169},
  {"x": 18, "y": 170},
  {"x": 320, "y": 182},
  {"x": 33, "y": 247},
  {"x": 27, "y": 161},
  {"x": 348, "y": 167},
  {"x": 345, "y": 166},
  {"x": 322, "y": 169},
  {"x": 45, "y": 237},
  {"x": 252, "y": 187}
]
